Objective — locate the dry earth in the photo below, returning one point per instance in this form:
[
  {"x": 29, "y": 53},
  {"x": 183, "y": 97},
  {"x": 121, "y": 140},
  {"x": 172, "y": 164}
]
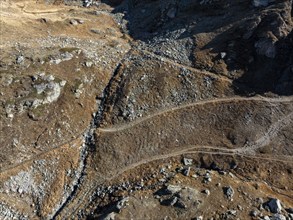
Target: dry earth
[{"x": 146, "y": 109}]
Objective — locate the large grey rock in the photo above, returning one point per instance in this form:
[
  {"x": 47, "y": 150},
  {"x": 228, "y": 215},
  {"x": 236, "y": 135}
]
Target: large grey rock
[
  {"x": 187, "y": 162},
  {"x": 172, "y": 189},
  {"x": 170, "y": 201},
  {"x": 266, "y": 47},
  {"x": 261, "y": 3},
  {"x": 275, "y": 205},
  {"x": 278, "y": 217}
]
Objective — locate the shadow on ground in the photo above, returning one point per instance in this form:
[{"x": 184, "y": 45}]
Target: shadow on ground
[{"x": 213, "y": 29}]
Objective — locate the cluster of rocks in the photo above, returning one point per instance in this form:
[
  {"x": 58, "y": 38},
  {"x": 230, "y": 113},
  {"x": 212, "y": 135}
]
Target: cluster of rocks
[
  {"x": 7, "y": 212},
  {"x": 116, "y": 208},
  {"x": 274, "y": 206},
  {"x": 134, "y": 103},
  {"x": 63, "y": 57},
  {"x": 177, "y": 196},
  {"x": 44, "y": 89},
  {"x": 183, "y": 197}
]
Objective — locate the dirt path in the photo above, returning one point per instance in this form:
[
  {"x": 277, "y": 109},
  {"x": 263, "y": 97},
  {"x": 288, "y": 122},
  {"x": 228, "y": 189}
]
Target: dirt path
[
  {"x": 172, "y": 62},
  {"x": 38, "y": 156},
  {"x": 220, "y": 100},
  {"x": 268, "y": 136},
  {"x": 272, "y": 131},
  {"x": 188, "y": 150}
]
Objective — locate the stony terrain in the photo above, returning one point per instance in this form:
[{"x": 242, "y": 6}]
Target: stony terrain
[{"x": 150, "y": 109}]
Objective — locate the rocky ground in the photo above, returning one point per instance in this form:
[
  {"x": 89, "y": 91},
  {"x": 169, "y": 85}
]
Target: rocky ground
[{"x": 146, "y": 109}]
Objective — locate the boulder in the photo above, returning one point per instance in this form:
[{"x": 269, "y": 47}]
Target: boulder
[{"x": 274, "y": 205}]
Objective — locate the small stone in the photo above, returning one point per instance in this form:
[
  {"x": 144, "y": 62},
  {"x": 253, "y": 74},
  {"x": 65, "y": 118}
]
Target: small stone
[
  {"x": 20, "y": 190},
  {"x": 10, "y": 115},
  {"x": 42, "y": 74},
  {"x": 186, "y": 171},
  {"x": 207, "y": 179},
  {"x": 223, "y": 55},
  {"x": 62, "y": 83},
  {"x": 275, "y": 205},
  {"x": 232, "y": 212},
  {"x": 206, "y": 191},
  {"x": 50, "y": 78},
  {"x": 221, "y": 172},
  {"x": 187, "y": 162},
  {"x": 73, "y": 22},
  {"x": 240, "y": 207},
  {"x": 19, "y": 59},
  {"x": 34, "y": 78},
  {"x": 228, "y": 191},
  {"x": 122, "y": 203},
  {"x": 57, "y": 61},
  {"x": 259, "y": 201},
  {"x": 199, "y": 218},
  {"x": 254, "y": 213},
  {"x": 80, "y": 21},
  {"x": 171, "y": 13},
  {"x": 88, "y": 64}
]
